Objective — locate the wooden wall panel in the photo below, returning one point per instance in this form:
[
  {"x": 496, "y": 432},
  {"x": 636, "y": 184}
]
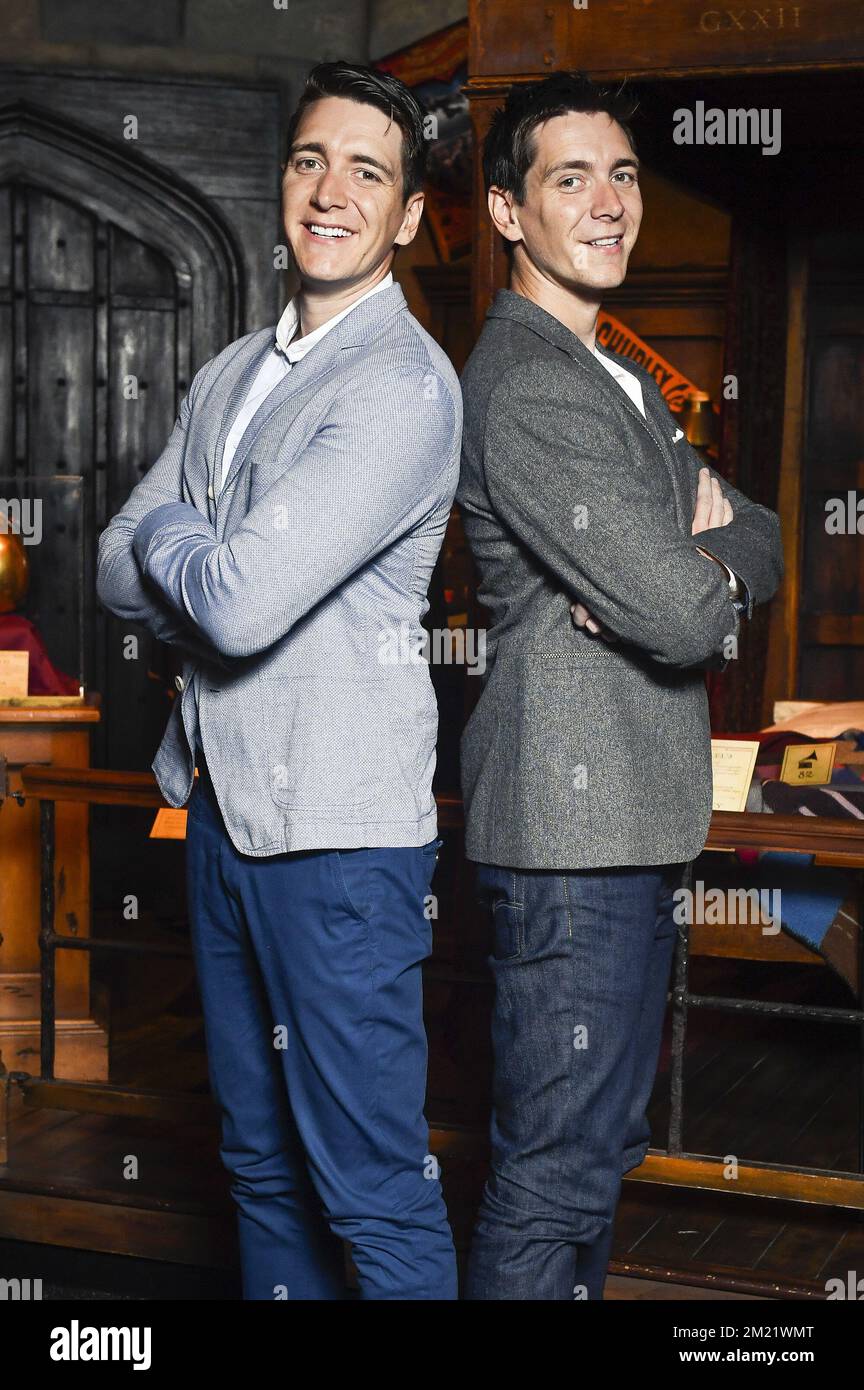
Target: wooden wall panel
[{"x": 620, "y": 36}]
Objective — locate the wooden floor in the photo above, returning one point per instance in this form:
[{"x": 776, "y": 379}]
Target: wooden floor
[
  {"x": 81, "y": 1275},
  {"x": 761, "y": 1089},
  {"x": 178, "y": 1209},
  {"x": 622, "y": 1290}
]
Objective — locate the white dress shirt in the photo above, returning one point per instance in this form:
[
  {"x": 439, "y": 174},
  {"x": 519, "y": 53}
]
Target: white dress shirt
[
  {"x": 625, "y": 379},
  {"x": 277, "y": 364}
]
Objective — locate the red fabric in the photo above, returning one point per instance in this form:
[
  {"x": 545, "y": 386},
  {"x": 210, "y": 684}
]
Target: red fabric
[{"x": 17, "y": 634}]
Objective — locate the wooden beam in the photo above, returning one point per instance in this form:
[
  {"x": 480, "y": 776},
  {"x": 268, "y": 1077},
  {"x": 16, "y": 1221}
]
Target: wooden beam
[
  {"x": 119, "y": 1229},
  {"x": 94, "y": 785},
  {"x": 781, "y": 666},
  {"x": 753, "y": 1180},
  {"x": 95, "y": 1098}
]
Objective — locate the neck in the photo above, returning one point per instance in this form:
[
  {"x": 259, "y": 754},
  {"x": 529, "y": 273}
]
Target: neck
[
  {"x": 317, "y": 303},
  {"x": 577, "y": 311}
]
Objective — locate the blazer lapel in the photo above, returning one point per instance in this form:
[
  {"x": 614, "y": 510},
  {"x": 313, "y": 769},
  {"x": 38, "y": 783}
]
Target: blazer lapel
[
  {"x": 621, "y": 395},
  {"x": 678, "y": 459},
  {"x": 508, "y": 304},
  {"x": 291, "y": 382},
  {"x": 246, "y": 364},
  {"x": 355, "y": 330}
]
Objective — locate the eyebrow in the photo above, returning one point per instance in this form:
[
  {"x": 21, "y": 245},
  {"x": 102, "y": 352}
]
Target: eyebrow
[
  {"x": 315, "y": 147},
  {"x": 586, "y": 165}
]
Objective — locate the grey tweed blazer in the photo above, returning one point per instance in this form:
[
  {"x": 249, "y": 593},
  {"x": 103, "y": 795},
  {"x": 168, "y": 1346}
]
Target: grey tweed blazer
[
  {"x": 583, "y": 753},
  {"x": 287, "y": 589}
]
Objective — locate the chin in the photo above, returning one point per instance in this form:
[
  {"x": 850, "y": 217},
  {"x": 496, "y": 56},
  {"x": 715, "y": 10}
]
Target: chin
[
  {"x": 319, "y": 269},
  {"x": 609, "y": 279}
]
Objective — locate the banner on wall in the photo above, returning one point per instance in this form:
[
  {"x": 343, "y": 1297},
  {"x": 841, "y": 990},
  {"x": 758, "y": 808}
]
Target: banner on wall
[
  {"x": 617, "y": 337},
  {"x": 436, "y": 69}
]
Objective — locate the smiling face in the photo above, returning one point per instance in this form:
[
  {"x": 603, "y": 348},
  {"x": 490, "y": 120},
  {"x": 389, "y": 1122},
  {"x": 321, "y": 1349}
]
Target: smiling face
[
  {"x": 342, "y": 203},
  {"x": 582, "y": 209}
]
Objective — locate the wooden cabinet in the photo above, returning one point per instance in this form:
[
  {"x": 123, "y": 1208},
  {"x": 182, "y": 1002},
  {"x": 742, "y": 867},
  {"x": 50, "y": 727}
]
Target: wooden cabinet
[{"x": 60, "y": 736}]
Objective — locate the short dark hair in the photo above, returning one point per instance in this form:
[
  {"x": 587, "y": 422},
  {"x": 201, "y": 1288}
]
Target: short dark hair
[
  {"x": 379, "y": 89},
  {"x": 508, "y": 150}
]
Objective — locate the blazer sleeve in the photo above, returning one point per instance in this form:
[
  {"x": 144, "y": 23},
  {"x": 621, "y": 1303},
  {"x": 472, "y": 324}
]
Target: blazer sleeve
[
  {"x": 374, "y": 471},
  {"x": 750, "y": 545},
  {"x": 120, "y": 585},
  {"x": 603, "y": 522}
]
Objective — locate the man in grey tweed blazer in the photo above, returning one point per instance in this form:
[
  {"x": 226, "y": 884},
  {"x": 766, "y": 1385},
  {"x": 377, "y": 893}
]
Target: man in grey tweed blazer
[
  {"x": 616, "y": 570},
  {"x": 284, "y": 537}
]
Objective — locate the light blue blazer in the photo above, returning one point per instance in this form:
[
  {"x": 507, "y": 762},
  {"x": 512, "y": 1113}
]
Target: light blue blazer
[{"x": 291, "y": 587}]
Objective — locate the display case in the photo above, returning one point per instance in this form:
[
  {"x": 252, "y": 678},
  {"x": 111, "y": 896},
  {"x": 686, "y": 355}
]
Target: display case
[{"x": 42, "y": 592}]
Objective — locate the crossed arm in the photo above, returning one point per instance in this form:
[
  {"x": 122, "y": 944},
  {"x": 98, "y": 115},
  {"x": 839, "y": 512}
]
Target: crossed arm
[
  {"x": 120, "y": 585},
  {"x": 712, "y": 510},
  {"x": 363, "y": 481},
  {"x": 607, "y": 528}
]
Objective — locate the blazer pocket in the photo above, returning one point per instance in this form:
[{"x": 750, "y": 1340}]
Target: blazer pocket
[
  {"x": 328, "y": 745},
  {"x": 576, "y": 648}
]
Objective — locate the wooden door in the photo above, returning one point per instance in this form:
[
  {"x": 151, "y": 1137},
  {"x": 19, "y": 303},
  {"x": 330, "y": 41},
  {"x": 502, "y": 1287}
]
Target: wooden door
[
  {"x": 830, "y": 625},
  {"x": 116, "y": 284}
]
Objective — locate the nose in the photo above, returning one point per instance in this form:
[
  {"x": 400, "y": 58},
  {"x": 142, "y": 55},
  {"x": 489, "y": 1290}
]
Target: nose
[
  {"x": 330, "y": 191},
  {"x": 607, "y": 202}
]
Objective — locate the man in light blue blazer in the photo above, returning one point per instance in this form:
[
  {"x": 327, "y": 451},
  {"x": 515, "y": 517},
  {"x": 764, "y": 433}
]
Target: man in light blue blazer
[{"x": 286, "y": 533}]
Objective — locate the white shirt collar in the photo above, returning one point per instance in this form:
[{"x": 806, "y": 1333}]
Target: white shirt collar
[
  {"x": 614, "y": 367},
  {"x": 288, "y": 324}
]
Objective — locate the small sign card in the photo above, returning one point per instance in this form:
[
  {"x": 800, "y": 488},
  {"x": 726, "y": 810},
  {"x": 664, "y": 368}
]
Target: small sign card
[
  {"x": 169, "y": 824},
  {"x": 14, "y": 675},
  {"x": 732, "y": 762},
  {"x": 812, "y": 763}
]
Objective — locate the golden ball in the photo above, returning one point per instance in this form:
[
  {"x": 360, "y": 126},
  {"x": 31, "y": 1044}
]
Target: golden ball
[{"x": 13, "y": 571}]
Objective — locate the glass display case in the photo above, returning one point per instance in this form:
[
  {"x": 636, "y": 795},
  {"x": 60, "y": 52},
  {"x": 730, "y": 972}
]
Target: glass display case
[{"x": 42, "y": 591}]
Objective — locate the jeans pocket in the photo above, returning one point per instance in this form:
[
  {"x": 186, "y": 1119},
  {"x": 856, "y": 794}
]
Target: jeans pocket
[
  {"x": 507, "y": 916},
  {"x": 508, "y": 930},
  {"x": 500, "y": 892},
  {"x": 351, "y": 874}
]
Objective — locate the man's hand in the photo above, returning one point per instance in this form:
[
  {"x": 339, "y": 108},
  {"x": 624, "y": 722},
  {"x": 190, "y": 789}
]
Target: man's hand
[
  {"x": 712, "y": 508},
  {"x": 582, "y": 618}
]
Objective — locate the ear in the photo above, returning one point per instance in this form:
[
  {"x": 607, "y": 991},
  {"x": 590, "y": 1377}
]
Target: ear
[
  {"x": 504, "y": 213},
  {"x": 411, "y": 220}
]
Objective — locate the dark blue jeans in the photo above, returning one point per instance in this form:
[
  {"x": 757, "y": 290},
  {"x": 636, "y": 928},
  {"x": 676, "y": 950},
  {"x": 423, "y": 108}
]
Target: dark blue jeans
[
  {"x": 309, "y": 966},
  {"x": 581, "y": 962}
]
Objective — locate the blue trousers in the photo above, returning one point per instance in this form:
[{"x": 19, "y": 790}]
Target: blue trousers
[
  {"x": 309, "y": 966},
  {"x": 581, "y": 963}
]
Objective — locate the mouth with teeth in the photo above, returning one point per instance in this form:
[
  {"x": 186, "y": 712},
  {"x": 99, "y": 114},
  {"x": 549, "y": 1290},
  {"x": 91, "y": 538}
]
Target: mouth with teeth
[
  {"x": 322, "y": 231},
  {"x": 607, "y": 244}
]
